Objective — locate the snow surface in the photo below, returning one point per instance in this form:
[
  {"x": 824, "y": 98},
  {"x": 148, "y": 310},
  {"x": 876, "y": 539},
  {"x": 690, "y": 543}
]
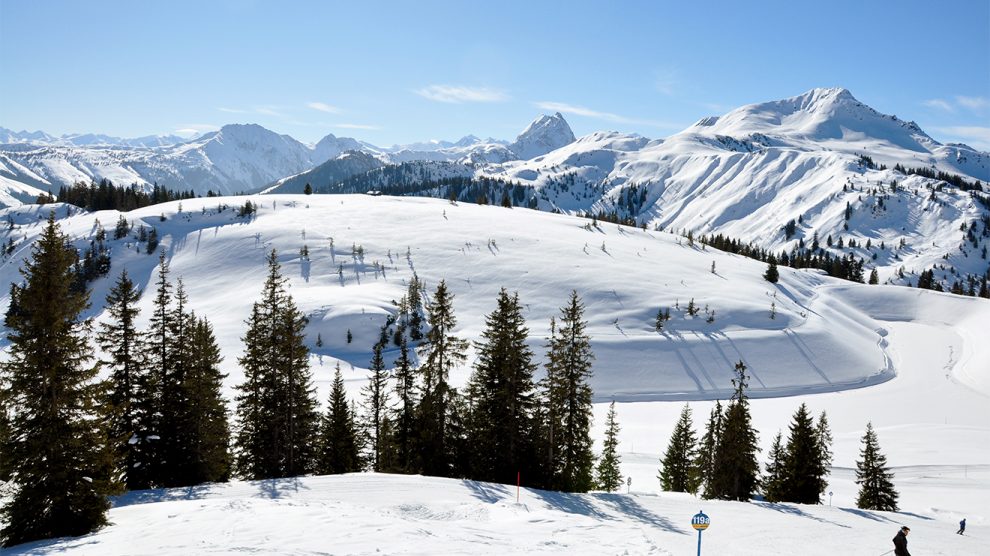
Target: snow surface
[{"x": 913, "y": 362}]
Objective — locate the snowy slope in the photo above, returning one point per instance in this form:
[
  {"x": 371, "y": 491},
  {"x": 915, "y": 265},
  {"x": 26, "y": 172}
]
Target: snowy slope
[
  {"x": 362, "y": 514},
  {"x": 911, "y": 361}
]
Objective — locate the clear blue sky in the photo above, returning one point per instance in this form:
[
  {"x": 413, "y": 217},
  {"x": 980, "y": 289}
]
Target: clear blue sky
[{"x": 397, "y": 72}]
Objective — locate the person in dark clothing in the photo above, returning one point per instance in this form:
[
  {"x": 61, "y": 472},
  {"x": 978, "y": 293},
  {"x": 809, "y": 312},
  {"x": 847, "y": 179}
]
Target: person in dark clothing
[
  {"x": 900, "y": 542},
  {"x": 962, "y": 527}
]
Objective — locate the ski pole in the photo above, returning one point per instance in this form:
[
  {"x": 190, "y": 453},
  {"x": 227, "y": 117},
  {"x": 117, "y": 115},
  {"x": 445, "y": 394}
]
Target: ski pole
[{"x": 886, "y": 553}]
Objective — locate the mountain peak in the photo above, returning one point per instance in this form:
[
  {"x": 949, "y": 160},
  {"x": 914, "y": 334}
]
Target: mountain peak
[{"x": 544, "y": 134}]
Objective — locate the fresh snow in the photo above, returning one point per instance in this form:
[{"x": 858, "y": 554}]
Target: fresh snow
[{"x": 910, "y": 361}]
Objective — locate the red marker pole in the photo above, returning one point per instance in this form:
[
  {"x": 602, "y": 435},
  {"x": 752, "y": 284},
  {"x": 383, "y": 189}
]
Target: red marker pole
[{"x": 518, "y": 482}]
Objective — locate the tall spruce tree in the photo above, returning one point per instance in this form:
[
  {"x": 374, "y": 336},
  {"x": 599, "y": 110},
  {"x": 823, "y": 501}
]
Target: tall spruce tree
[
  {"x": 678, "y": 467},
  {"x": 803, "y": 471},
  {"x": 608, "y": 477},
  {"x": 275, "y": 407},
  {"x": 823, "y": 438},
  {"x": 773, "y": 482},
  {"x": 133, "y": 389},
  {"x": 568, "y": 401},
  {"x": 59, "y": 451},
  {"x": 500, "y": 394},
  {"x": 440, "y": 352},
  {"x": 876, "y": 489},
  {"x": 405, "y": 418},
  {"x": 737, "y": 471},
  {"x": 339, "y": 449},
  {"x": 377, "y": 409},
  {"x": 160, "y": 364},
  {"x": 205, "y": 421},
  {"x": 708, "y": 449},
  {"x": 176, "y": 443}
]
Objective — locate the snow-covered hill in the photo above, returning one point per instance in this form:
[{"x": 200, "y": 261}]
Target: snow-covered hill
[
  {"x": 365, "y": 514},
  {"x": 911, "y": 361}
]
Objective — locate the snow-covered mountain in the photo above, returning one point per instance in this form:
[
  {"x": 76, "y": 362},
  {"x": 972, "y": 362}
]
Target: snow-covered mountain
[
  {"x": 836, "y": 167},
  {"x": 321, "y": 178},
  {"x": 545, "y": 134},
  {"x": 86, "y": 139}
]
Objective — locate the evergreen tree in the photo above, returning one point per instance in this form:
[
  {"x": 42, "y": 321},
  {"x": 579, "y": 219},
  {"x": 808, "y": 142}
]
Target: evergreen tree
[
  {"x": 440, "y": 352},
  {"x": 823, "y": 438},
  {"x": 803, "y": 473},
  {"x": 608, "y": 477},
  {"x": 773, "y": 483},
  {"x": 708, "y": 448},
  {"x": 276, "y": 408},
  {"x": 377, "y": 408},
  {"x": 500, "y": 393},
  {"x": 207, "y": 431},
  {"x": 308, "y": 189},
  {"x": 132, "y": 387},
  {"x": 405, "y": 420},
  {"x": 414, "y": 299},
  {"x": 159, "y": 361},
  {"x": 175, "y": 444},
  {"x": 61, "y": 459},
  {"x": 876, "y": 490},
  {"x": 568, "y": 401},
  {"x": 678, "y": 467},
  {"x": 736, "y": 468},
  {"x": 874, "y": 277},
  {"x": 771, "y": 275},
  {"x": 339, "y": 450}
]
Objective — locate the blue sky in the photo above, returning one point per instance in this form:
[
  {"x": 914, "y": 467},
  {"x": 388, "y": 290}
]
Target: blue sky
[{"x": 397, "y": 72}]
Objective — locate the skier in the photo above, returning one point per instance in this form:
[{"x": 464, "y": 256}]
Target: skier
[
  {"x": 900, "y": 542},
  {"x": 962, "y": 527}
]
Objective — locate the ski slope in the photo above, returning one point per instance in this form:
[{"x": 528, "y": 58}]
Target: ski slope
[{"x": 910, "y": 361}]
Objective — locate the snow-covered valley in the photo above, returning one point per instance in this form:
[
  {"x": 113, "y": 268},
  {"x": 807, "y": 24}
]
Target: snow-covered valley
[{"x": 911, "y": 361}]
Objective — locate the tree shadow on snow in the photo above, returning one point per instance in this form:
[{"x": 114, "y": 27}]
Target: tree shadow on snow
[
  {"x": 486, "y": 492},
  {"x": 570, "y": 503},
  {"x": 866, "y": 514},
  {"x": 925, "y": 517},
  {"x": 629, "y": 507},
  {"x": 276, "y": 488},
  {"x": 162, "y": 495},
  {"x": 795, "y": 511}
]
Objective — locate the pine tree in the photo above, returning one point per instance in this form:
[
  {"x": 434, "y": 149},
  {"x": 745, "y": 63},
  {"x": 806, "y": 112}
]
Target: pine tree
[
  {"x": 207, "y": 431},
  {"x": 823, "y": 439},
  {"x": 415, "y": 301},
  {"x": 678, "y": 467},
  {"x": 377, "y": 408},
  {"x": 132, "y": 387},
  {"x": 658, "y": 322},
  {"x": 61, "y": 458},
  {"x": 500, "y": 393},
  {"x": 773, "y": 483},
  {"x": 874, "y": 277},
  {"x": 160, "y": 364},
  {"x": 876, "y": 490},
  {"x": 405, "y": 419},
  {"x": 339, "y": 450},
  {"x": 771, "y": 275},
  {"x": 736, "y": 468},
  {"x": 708, "y": 448},
  {"x": 608, "y": 477},
  {"x": 175, "y": 444},
  {"x": 802, "y": 476},
  {"x": 568, "y": 401},
  {"x": 276, "y": 408},
  {"x": 440, "y": 352}
]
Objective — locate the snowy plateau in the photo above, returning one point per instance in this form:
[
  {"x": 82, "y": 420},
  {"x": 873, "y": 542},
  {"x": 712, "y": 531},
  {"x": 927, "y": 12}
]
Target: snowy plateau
[{"x": 914, "y": 362}]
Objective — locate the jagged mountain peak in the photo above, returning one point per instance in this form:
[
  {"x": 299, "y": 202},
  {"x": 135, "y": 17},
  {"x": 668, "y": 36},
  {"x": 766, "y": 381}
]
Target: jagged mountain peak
[{"x": 544, "y": 134}]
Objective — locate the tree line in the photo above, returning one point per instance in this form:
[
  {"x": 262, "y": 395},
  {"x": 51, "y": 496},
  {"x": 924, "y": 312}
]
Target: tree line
[{"x": 104, "y": 195}]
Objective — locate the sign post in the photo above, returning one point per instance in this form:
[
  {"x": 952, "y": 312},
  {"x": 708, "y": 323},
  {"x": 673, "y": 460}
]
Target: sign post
[
  {"x": 830, "y": 499},
  {"x": 700, "y": 522}
]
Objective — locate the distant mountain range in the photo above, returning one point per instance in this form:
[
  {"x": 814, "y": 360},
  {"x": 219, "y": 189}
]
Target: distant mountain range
[{"x": 823, "y": 161}]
